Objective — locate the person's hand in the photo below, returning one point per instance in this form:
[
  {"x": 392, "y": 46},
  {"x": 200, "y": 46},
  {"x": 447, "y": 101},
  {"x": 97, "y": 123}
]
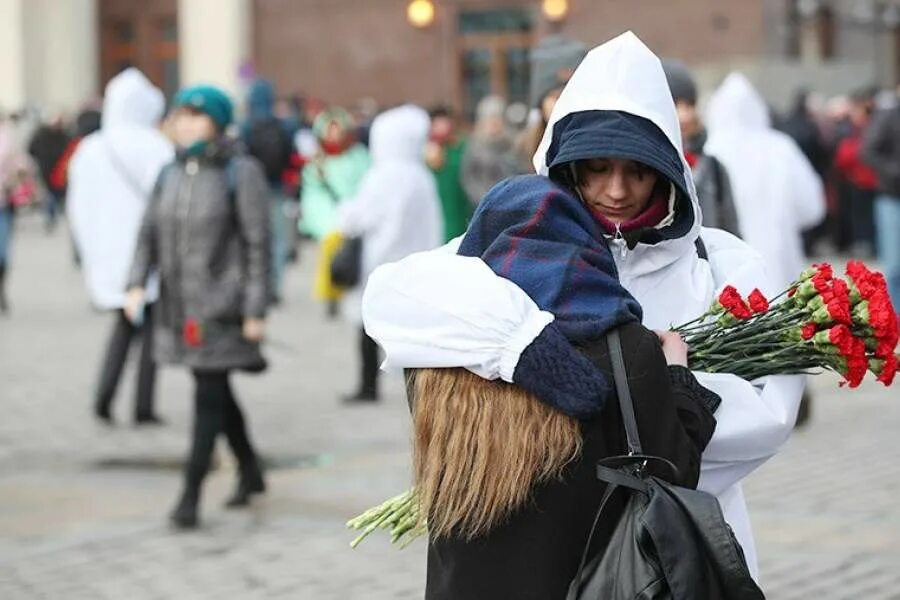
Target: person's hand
[
  {"x": 675, "y": 349},
  {"x": 134, "y": 303},
  {"x": 254, "y": 329},
  {"x": 434, "y": 155}
]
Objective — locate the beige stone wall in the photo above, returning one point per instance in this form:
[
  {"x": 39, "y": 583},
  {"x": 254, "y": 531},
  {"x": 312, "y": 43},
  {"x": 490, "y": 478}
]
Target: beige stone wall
[
  {"x": 214, "y": 40},
  {"x": 12, "y": 59}
]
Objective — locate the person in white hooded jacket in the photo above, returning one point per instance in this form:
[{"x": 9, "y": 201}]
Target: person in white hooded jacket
[
  {"x": 111, "y": 177},
  {"x": 396, "y": 212},
  {"x": 777, "y": 193},
  {"x": 437, "y": 309}
]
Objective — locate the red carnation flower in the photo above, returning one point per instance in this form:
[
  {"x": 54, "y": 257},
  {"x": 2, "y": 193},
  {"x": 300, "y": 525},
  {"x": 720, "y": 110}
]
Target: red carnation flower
[
  {"x": 758, "y": 302},
  {"x": 192, "y": 333},
  {"x": 808, "y": 331},
  {"x": 889, "y": 370},
  {"x": 842, "y": 337}
]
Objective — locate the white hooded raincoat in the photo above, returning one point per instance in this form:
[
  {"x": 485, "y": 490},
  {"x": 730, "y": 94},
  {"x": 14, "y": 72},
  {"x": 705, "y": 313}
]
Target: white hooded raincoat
[
  {"x": 396, "y": 211},
  {"x": 111, "y": 177},
  {"x": 441, "y": 310},
  {"x": 776, "y": 191}
]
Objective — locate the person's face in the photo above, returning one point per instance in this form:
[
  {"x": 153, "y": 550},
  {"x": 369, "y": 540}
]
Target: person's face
[
  {"x": 618, "y": 189},
  {"x": 334, "y": 133},
  {"x": 189, "y": 126},
  {"x": 441, "y": 128},
  {"x": 688, "y": 119}
]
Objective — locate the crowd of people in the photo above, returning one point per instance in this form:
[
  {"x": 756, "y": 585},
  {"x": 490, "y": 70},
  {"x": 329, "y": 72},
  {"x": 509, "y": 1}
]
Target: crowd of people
[{"x": 184, "y": 222}]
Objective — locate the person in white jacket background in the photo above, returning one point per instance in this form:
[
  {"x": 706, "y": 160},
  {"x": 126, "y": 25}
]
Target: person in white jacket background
[
  {"x": 396, "y": 212},
  {"x": 777, "y": 193},
  {"x": 437, "y": 309},
  {"x": 111, "y": 177}
]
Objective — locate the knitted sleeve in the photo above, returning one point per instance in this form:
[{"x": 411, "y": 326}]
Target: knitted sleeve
[{"x": 559, "y": 375}]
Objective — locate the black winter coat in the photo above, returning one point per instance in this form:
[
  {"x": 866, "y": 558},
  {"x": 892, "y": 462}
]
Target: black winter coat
[
  {"x": 210, "y": 246},
  {"x": 534, "y": 556}
]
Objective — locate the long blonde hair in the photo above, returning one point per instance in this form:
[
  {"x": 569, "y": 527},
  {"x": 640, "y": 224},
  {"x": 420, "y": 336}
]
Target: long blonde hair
[{"x": 480, "y": 447}]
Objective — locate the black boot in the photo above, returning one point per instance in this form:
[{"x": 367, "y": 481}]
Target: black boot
[
  {"x": 250, "y": 482},
  {"x": 4, "y": 303},
  {"x": 103, "y": 412},
  {"x": 185, "y": 514}
]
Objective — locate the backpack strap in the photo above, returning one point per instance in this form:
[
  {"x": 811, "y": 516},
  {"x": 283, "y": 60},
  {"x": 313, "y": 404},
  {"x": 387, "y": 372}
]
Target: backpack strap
[
  {"x": 624, "y": 392},
  {"x": 617, "y": 471},
  {"x": 231, "y": 179},
  {"x": 702, "y": 252}
]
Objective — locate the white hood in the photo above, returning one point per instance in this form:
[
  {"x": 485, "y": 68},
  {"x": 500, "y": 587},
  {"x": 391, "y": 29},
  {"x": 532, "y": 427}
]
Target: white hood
[
  {"x": 131, "y": 99},
  {"x": 399, "y": 134},
  {"x": 111, "y": 177},
  {"x": 625, "y": 75},
  {"x": 737, "y": 105}
]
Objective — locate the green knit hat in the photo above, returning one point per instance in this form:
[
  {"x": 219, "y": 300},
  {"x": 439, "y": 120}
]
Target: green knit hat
[{"x": 209, "y": 100}]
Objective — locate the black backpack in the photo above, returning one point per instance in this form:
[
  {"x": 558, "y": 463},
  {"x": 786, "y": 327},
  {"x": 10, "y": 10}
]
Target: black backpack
[
  {"x": 671, "y": 543},
  {"x": 268, "y": 142}
]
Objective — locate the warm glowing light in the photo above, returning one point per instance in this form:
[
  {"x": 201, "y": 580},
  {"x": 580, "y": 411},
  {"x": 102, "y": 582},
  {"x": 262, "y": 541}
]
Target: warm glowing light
[
  {"x": 420, "y": 13},
  {"x": 556, "y": 10}
]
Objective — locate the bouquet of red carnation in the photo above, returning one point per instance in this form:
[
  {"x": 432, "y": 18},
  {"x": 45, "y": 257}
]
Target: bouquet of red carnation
[{"x": 846, "y": 325}]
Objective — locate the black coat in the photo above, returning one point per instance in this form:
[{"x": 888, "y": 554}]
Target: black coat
[
  {"x": 210, "y": 246},
  {"x": 536, "y": 553}
]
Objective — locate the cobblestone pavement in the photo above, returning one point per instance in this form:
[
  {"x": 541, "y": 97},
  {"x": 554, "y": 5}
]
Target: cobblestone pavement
[{"x": 82, "y": 507}]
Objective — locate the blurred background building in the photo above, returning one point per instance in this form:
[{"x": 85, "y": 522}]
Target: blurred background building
[{"x": 56, "y": 53}]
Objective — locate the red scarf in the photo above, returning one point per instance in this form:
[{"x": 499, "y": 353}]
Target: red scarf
[{"x": 652, "y": 216}]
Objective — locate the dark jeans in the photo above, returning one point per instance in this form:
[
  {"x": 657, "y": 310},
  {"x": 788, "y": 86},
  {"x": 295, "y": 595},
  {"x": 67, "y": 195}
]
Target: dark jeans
[
  {"x": 368, "y": 349},
  {"x": 215, "y": 411},
  {"x": 123, "y": 334},
  {"x": 863, "y": 217}
]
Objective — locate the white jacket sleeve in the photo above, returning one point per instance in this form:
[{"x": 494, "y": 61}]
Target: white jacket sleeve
[
  {"x": 755, "y": 419},
  {"x": 440, "y": 310},
  {"x": 752, "y": 424}
]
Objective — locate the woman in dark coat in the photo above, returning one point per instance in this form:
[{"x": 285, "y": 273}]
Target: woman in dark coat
[
  {"x": 507, "y": 483},
  {"x": 206, "y": 233}
]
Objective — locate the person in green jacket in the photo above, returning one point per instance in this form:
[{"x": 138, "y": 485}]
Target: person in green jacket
[
  {"x": 333, "y": 175},
  {"x": 444, "y": 155}
]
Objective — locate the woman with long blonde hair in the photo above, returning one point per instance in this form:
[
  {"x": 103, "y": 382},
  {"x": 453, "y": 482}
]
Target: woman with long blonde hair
[{"x": 507, "y": 481}]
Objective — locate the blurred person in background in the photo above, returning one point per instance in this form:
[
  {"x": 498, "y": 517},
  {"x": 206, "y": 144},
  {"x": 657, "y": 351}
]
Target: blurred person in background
[
  {"x": 881, "y": 150},
  {"x": 269, "y": 139},
  {"x": 87, "y": 122},
  {"x": 801, "y": 125},
  {"x": 332, "y": 176},
  {"x": 396, "y": 212},
  {"x": 490, "y": 155},
  {"x": 206, "y": 232},
  {"x": 851, "y": 116},
  {"x": 857, "y": 181},
  {"x": 777, "y": 192},
  {"x": 530, "y": 138},
  {"x": 48, "y": 148},
  {"x": 443, "y": 155},
  {"x": 111, "y": 177},
  {"x": 18, "y": 190},
  {"x": 710, "y": 177}
]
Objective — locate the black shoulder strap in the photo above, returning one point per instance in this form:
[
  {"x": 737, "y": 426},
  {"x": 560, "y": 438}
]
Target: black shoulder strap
[
  {"x": 624, "y": 392},
  {"x": 702, "y": 252}
]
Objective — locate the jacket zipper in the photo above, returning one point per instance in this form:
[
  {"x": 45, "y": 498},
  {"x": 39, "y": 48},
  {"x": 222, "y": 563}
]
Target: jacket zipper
[{"x": 619, "y": 239}]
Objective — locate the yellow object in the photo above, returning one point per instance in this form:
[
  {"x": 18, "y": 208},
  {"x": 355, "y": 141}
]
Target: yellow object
[
  {"x": 324, "y": 289},
  {"x": 556, "y": 10},
  {"x": 420, "y": 13}
]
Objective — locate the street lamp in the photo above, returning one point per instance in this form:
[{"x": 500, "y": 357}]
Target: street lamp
[
  {"x": 420, "y": 13},
  {"x": 555, "y": 10}
]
